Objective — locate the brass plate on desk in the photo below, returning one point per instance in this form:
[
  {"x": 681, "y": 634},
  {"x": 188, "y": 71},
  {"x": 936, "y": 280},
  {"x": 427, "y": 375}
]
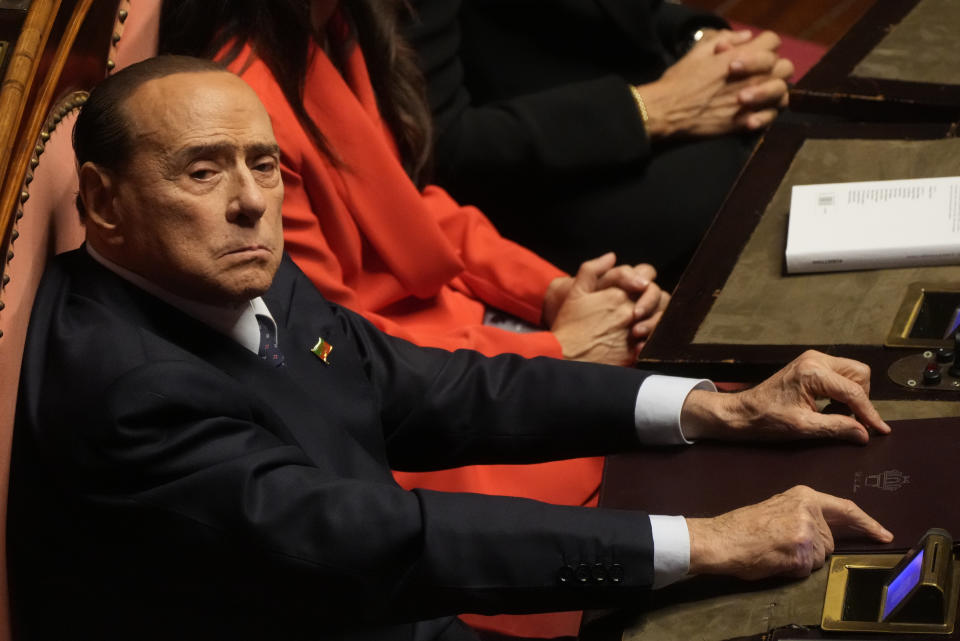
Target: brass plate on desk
[
  {"x": 919, "y": 306},
  {"x": 837, "y": 581}
]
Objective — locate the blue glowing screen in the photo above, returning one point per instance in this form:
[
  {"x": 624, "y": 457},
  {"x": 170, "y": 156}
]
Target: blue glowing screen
[{"x": 902, "y": 584}]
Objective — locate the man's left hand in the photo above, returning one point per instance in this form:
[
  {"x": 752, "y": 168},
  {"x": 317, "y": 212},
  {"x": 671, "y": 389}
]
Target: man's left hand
[{"x": 784, "y": 405}]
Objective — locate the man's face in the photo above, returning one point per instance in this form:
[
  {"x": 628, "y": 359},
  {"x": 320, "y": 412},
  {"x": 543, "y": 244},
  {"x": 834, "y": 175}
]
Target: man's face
[{"x": 198, "y": 207}]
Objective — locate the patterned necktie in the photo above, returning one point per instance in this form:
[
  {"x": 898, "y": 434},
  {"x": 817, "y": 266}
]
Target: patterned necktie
[{"x": 269, "y": 350}]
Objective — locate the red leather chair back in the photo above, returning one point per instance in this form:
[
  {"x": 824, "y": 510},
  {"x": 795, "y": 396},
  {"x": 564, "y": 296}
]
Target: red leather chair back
[{"x": 63, "y": 48}]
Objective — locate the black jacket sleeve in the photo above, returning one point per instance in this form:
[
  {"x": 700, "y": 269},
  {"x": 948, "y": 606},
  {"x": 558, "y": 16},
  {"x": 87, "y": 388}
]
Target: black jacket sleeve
[
  {"x": 189, "y": 472},
  {"x": 539, "y": 134},
  {"x": 441, "y": 409},
  {"x": 586, "y": 119}
]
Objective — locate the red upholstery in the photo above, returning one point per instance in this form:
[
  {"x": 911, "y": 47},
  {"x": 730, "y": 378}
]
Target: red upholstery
[
  {"x": 803, "y": 53},
  {"x": 50, "y": 223}
]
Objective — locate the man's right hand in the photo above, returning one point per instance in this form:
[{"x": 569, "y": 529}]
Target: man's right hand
[
  {"x": 789, "y": 534},
  {"x": 783, "y": 407}
]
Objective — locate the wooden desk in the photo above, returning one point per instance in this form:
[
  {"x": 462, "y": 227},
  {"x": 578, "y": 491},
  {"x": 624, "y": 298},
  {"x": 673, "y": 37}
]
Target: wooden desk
[
  {"x": 896, "y": 64},
  {"x": 707, "y": 479},
  {"x": 686, "y": 343}
]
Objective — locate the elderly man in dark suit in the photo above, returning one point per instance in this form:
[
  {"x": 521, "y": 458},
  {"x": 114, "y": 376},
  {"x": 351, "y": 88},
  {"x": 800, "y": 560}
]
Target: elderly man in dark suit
[{"x": 203, "y": 443}]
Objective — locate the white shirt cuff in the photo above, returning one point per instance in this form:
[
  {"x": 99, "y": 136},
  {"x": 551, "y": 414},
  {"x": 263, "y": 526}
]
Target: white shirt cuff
[
  {"x": 671, "y": 549},
  {"x": 659, "y": 401}
]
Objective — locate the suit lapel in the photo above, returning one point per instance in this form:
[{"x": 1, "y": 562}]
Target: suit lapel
[{"x": 294, "y": 400}]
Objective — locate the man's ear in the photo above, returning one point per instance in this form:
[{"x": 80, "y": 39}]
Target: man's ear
[{"x": 97, "y": 193}]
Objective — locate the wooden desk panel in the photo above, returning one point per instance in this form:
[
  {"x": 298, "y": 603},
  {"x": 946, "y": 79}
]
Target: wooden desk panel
[
  {"x": 842, "y": 83},
  {"x": 718, "y": 608},
  {"x": 674, "y": 347}
]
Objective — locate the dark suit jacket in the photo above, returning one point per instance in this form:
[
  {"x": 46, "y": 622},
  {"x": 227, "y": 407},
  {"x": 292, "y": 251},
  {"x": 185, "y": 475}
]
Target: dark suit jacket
[{"x": 167, "y": 483}]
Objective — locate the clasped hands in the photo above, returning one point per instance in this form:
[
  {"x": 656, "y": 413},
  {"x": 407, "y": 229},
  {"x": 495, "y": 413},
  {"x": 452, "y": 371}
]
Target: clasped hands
[
  {"x": 790, "y": 533},
  {"x": 729, "y": 81},
  {"x": 606, "y": 312}
]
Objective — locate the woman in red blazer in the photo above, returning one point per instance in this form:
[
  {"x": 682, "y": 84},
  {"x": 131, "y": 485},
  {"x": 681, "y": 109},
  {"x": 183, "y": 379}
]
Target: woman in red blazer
[{"x": 343, "y": 94}]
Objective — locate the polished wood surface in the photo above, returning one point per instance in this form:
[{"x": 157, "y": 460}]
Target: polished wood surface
[
  {"x": 21, "y": 71},
  {"x": 63, "y": 46},
  {"x": 821, "y": 21}
]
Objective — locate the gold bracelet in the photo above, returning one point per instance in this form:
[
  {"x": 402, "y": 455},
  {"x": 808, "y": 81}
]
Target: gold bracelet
[{"x": 637, "y": 98}]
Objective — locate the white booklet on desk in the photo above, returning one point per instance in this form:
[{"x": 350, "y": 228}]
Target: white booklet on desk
[{"x": 869, "y": 225}]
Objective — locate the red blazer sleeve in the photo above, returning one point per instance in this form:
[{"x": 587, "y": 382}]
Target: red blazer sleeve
[{"x": 499, "y": 271}]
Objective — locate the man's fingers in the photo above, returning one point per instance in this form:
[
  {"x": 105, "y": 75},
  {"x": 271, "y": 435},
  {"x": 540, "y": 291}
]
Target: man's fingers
[
  {"x": 854, "y": 370},
  {"x": 590, "y": 272},
  {"x": 839, "y": 512},
  {"x": 840, "y": 388},
  {"x": 837, "y": 426}
]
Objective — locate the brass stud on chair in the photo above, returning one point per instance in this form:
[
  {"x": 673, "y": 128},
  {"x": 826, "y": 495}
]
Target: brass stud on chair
[
  {"x": 116, "y": 38},
  {"x": 9, "y": 255},
  {"x": 28, "y": 178},
  {"x": 2, "y": 305},
  {"x": 24, "y": 196},
  {"x": 122, "y": 16},
  {"x": 6, "y": 279},
  {"x": 34, "y": 162},
  {"x": 19, "y": 213},
  {"x": 14, "y": 235},
  {"x": 110, "y": 65},
  {"x": 45, "y": 135},
  {"x": 39, "y": 149}
]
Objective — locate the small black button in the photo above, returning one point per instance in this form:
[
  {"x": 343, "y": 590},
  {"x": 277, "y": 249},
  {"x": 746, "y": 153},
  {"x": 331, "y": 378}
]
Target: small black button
[
  {"x": 944, "y": 355},
  {"x": 599, "y": 573},
  {"x": 583, "y": 573},
  {"x": 615, "y": 573},
  {"x": 565, "y": 575},
  {"x": 931, "y": 374}
]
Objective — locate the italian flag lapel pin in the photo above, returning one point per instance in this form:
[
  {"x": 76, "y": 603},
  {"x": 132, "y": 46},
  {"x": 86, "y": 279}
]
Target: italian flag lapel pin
[{"x": 322, "y": 350}]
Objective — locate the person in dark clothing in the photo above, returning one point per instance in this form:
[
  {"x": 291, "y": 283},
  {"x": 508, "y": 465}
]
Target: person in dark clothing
[{"x": 584, "y": 126}]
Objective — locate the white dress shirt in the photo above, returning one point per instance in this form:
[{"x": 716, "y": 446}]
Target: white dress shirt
[{"x": 656, "y": 414}]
